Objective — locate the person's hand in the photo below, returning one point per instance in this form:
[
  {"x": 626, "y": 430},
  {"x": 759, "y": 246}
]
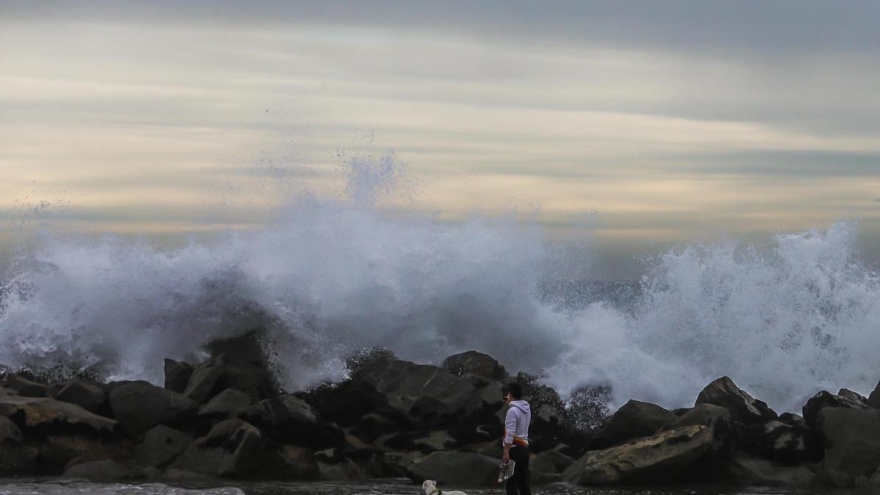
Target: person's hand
[{"x": 505, "y": 457}]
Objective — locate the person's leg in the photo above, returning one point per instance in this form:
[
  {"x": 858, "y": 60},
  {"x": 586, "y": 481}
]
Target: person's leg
[{"x": 518, "y": 484}]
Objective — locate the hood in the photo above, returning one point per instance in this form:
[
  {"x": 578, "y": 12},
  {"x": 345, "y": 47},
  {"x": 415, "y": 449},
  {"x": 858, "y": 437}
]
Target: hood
[{"x": 521, "y": 405}]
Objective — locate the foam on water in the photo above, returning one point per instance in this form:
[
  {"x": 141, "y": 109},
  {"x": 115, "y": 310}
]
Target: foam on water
[{"x": 335, "y": 276}]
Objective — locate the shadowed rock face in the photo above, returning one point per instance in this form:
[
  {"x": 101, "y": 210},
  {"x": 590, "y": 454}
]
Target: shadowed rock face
[
  {"x": 141, "y": 405},
  {"x": 41, "y": 415},
  {"x": 742, "y": 407},
  {"x": 633, "y": 420}
]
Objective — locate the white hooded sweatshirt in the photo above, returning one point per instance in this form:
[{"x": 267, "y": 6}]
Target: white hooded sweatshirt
[{"x": 516, "y": 424}]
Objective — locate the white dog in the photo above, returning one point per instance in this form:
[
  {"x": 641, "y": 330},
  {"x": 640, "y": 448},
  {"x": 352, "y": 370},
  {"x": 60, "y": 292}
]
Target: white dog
[{"x": 430, "y": 487}]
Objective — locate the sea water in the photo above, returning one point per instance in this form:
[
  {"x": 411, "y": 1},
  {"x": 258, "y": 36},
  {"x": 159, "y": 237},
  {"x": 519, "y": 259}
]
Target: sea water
[{"x": 784, "y": 318}]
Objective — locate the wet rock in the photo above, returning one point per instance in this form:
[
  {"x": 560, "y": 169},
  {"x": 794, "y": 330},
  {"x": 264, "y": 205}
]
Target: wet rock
[
  {"x": 473, "y": 363},
  {"x": 204, "y": 379},
  {"x": 106, "y": 469},
  {"x": 551, "y": 461},
  {"x": 42, "y": 416},
  {"x": 177, "y": 375},
  {"x": 635, "y": 419},
  {"x": 292, "y": 462},
  {"x": 743, "y": 407},
  {"x": 9, "y": 433},
  {"x": 459, "y": 469},
  {"x": 853, "y": 396},
  {"x": 788, "y": 440},
  {"x": 139, "y": 405},
  {"x": 25, "y": 387},
  {"x": 666, "y": 457},
  {"x": 161, "y": 445},
  {"x": 225, "y": 403},
  {"x": 852, "y": 440},
  {"x": 748, "y": 470},
  {"x": 703, "y": 414},
  {"x": 232, "y": 448},
  {"x": 86, "y": 395},
  {"x": 289, "y": 419},
  {"x": 825, "y": 399}
]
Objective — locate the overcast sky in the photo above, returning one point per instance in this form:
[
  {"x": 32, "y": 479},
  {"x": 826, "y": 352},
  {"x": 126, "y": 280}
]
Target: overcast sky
[{"x": 667, "y": 120}]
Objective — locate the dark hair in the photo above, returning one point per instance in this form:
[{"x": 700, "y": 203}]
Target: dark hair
[{"x": 515, "y": 390}]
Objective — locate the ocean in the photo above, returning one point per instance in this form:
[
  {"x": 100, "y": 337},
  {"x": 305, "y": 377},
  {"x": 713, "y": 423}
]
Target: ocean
[{"x": 784, "y": 318}]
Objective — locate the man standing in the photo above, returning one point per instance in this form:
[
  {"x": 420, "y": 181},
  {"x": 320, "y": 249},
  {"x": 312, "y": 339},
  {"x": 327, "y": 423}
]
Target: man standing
[{"x": 516, "y": 439}]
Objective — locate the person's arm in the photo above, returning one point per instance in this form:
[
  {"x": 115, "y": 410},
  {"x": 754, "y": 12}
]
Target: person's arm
[{"x": 509, "y": 430}]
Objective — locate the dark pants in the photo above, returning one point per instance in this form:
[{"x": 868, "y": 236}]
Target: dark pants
[{"x": 518, "y": 484}]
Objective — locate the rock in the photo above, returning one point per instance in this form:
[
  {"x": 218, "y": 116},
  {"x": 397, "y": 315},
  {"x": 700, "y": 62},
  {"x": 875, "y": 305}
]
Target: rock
[
  {"x": 787, "y": 439},
  {"x": 473, "y": 363},
  {"x": 248, "y": 367},
  {"x": 290, "y": 420},
  {"x": 666, "y": 457},
  {"x": 459, "y": 469},
  {"x": 634, "y": 419},
  {"x": 25, "y": 387},
  {"x": 57, "y": 453},
  {"x": 86, "y": 395},
  {"x": 747, "y": 470},
  {"x": 742, "y": 406},
  {"x": 853, "y": 396},
  {"x": 347, "y": 403},
  {"x": 852, "y": 440},
  {"x": 177, "y": 375},
  {"x": 9, "y": 433},
  {"x": 232, "y": 448},
  {"x": 372, "y": 426},
  {"x": 17, "y": 459},
  {"x": 825, "y": 399},
  {"x": 434, "y": 440},
  {"x": 874, "y": 399},
  {"x": 292, "y": 462},
  {"x": 139, "y": 405},
  {"x": 42, "y": 415},
  {"x": 345, "y": 470},
  {"x": 551, "y": 462},
  {"x": 161, "y": 445},
  {"x": 106, "y": 469},
  {"x": 703, "y": 414},
  {"x": 203, "y": 382},
  {"x": 226, "y": 403}
]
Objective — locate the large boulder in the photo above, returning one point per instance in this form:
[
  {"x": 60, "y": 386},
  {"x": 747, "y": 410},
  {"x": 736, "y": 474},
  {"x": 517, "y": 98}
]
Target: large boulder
[
  {"x": 105, "y": 469},
  {"x": 233, "y": 448},
  {"x": 455, "y": 469},
  {"x": 787, "y": 439},
  {"x": 25, "y": 387},
  {"x": 248, "y": 365},
  {"x": 852, "y": 440},
  {"x": 743, "y": 407},
  {"x": 703, "y": 414},
  {"x": 551, "y": 462},
  {"x": 42, "y": 416},
  {"x": 161, "y": 445},
  {"x": 747, "y": 470},
  {"x": 86, "y": 395},
  {"x": 140, "y": 405},
  {"x": 825, "y": 399},
  {"x": 177, "y": 375},
  {"x": 226, "y": 403},
  {"x": 289, "y": 419},
  {"x": 635, "y": 419},
  {"x": 204, "y": 382},
  {"x": 473, "y": 363},
  {"x": 669, "y": 456}
]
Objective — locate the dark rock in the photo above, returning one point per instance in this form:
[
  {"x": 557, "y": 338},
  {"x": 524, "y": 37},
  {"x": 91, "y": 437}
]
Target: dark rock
[
  {"x": 291, "y": 462},
  {"x": 853, "y": 396},
  {"x": 372, "y": 426},
  {"x": 25, "y": 387},
  {"x": 705, "y": 415},
  {"x": 106, "y": 469},
  {"x": 825, "y": 399},
  {"x": 788, "y": 440},
  {"x": 177, "y": 375},
  {"x": 86, "y": 395},
  {"x": 874, "y": 399},
  {"x": 257, "y": 382},
  {"x": 232, "y": 448},
  {"x": 9, "y": 433},
  {"x": 290, "y": 420},
  {"x": 347, "y": 403},
  {"x": 742, "y": 406},
  {"x": 204, "y": 380},
  {"x": 747, "y": 470},
  {"x": 667, "y": 457},
  {"x": 17, "y": 459},
  {"x": 42, "y": 416},
  {"x": 161, "y": 445},
  {"x": 457, "y": 469},
  {"x": 139, "y": 405},
  {"x": 852, "y": 440},
  {"x": 634, "y": 419},
  {"x": 346, "y": 470},
  {"x": 226, "y": 403},
  {"x": 473, "y": 363},
  {"x": 57, "y": 453},
  {"x": 551, "y": 462}
]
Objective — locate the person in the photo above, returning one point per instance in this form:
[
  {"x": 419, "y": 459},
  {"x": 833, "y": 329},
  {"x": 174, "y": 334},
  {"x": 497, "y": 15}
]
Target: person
[{"x": 516, "y": 439}]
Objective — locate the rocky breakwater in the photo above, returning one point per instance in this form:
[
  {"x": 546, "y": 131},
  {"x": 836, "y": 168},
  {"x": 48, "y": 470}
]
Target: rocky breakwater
[{"x": 227, "y": 417}]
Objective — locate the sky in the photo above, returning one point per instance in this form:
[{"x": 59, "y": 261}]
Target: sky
[{"x": 655, "y": 123}]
